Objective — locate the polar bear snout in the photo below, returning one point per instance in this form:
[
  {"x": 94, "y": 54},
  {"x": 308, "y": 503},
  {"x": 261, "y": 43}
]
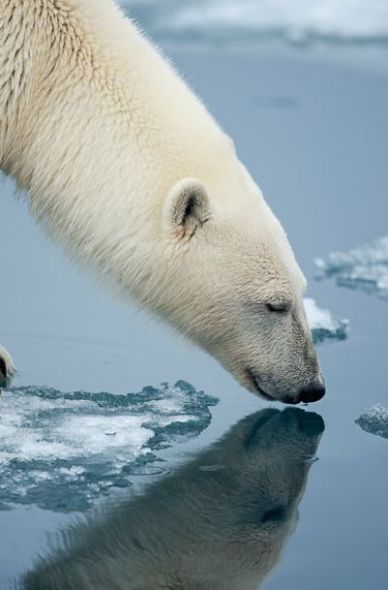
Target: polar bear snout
[
  {"x": 287, "y": 387},
  {"x": 313, "y": 392}
]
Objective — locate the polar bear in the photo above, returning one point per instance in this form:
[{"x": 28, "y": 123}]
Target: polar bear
[
  {"x": 127, "y": 169},
  {"x": 219, "y": 523}
]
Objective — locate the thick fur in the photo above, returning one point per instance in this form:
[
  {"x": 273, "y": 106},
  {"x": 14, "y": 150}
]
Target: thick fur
[
  {"x": 219, "y": 523},
  {"x": 127, "y": 169}
]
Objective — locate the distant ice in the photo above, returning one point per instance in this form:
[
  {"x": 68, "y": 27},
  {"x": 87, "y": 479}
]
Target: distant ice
[
  {"x": 236, "y": 21},
  {"x": 60, "y": 451},
  {"x": 363, "y": 268},
  {"x": 375, "y": 420},
  {"x": 323, "y": 325}
]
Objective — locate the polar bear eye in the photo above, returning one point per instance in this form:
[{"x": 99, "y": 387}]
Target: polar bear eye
[{"x": 278, "y": 307}]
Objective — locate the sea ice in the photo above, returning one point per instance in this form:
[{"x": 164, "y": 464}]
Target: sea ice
[
  {"x": 375, "y": 420},
  {"x": 60, "y": 451},
  {"x": 242, "y": 21},
  {"x": 323, "y": 325},
  {"x": 363, "y": 268}
]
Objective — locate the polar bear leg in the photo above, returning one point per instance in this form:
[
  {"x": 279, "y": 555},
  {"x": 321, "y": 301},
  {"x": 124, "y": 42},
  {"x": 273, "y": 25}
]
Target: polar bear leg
[{"x": 7, "y": 367}]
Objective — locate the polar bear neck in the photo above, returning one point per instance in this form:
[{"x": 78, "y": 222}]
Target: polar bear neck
[{"x": 97, "y": 127}]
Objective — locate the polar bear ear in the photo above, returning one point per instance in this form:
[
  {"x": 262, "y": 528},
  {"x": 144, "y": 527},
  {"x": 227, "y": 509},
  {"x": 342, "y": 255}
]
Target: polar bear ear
[{"x": 187, "y": 208}]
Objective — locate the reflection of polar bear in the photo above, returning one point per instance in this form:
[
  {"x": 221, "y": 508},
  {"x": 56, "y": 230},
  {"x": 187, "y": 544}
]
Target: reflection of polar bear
[
  {"x": 128, "y": 170},
  {"x": 218, "y": 523}
]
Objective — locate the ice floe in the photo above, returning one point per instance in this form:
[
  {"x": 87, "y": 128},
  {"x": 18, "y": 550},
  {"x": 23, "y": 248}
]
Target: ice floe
[
  {"x": 323, "y": 325},
  {"x": 61, "y": 451},
  {"x": 375, "y": 420},
  {"x": 363, "y": 268}
]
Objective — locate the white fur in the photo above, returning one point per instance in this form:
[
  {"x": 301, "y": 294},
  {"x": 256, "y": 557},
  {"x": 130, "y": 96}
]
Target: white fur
[{"x": 105, "y": 136}]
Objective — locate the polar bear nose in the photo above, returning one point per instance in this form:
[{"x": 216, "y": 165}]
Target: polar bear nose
[{"x": 313, "y": 392}]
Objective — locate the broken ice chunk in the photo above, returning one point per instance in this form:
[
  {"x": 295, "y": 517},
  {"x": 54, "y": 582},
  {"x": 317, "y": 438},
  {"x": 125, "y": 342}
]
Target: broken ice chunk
[
  {"x": 323, "y": 325},
  {"x": 61, "y": 451},
  {"x": 375, "y": 420},
  {"x": 364, "y": 268}
]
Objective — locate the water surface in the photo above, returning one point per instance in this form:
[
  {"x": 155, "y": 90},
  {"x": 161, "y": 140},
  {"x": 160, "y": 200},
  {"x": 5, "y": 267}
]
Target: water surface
[{"x": 320, "y": 157}]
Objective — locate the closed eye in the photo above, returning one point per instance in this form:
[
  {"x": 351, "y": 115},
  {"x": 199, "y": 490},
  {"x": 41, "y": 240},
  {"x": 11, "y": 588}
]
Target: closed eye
[{"x": 278, "y": 307}]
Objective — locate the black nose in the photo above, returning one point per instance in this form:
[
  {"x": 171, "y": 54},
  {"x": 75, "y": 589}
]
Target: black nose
[
  {"x": 308, "y": 422},
  {"x": 313, "y": 392}
]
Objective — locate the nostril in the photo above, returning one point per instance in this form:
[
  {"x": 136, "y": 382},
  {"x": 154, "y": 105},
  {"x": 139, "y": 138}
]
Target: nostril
[{"x": 313, "y": 393}]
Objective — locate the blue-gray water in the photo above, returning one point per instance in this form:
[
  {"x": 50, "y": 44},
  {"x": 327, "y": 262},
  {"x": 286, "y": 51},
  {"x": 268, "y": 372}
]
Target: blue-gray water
[{"x": 314, "y": 133}]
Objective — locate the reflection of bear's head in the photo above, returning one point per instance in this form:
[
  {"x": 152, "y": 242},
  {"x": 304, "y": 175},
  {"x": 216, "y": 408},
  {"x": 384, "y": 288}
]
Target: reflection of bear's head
[
  {"x": 234, "y": 286},
  {"x": 218, "y": 523}
]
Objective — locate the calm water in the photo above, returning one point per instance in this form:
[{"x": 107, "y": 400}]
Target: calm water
[{"x": 314, "y": 132}]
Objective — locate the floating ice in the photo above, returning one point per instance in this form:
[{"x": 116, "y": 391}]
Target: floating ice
[
  {"x": 323, "y": 325},
  {"x": 60, "y": 451},
  {"x": 375, "y": 420},
  {"x": 363, "y": 268},
  {"x": 236, "y": 21}
]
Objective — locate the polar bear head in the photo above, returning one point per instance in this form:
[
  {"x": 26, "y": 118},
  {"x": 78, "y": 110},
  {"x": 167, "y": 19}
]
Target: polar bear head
[{"x": 234, "y": 286}]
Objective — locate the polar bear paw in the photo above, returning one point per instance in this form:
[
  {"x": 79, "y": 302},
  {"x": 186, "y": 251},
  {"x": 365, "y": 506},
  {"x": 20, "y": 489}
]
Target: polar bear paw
[{"x": 7, "y": 368}]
